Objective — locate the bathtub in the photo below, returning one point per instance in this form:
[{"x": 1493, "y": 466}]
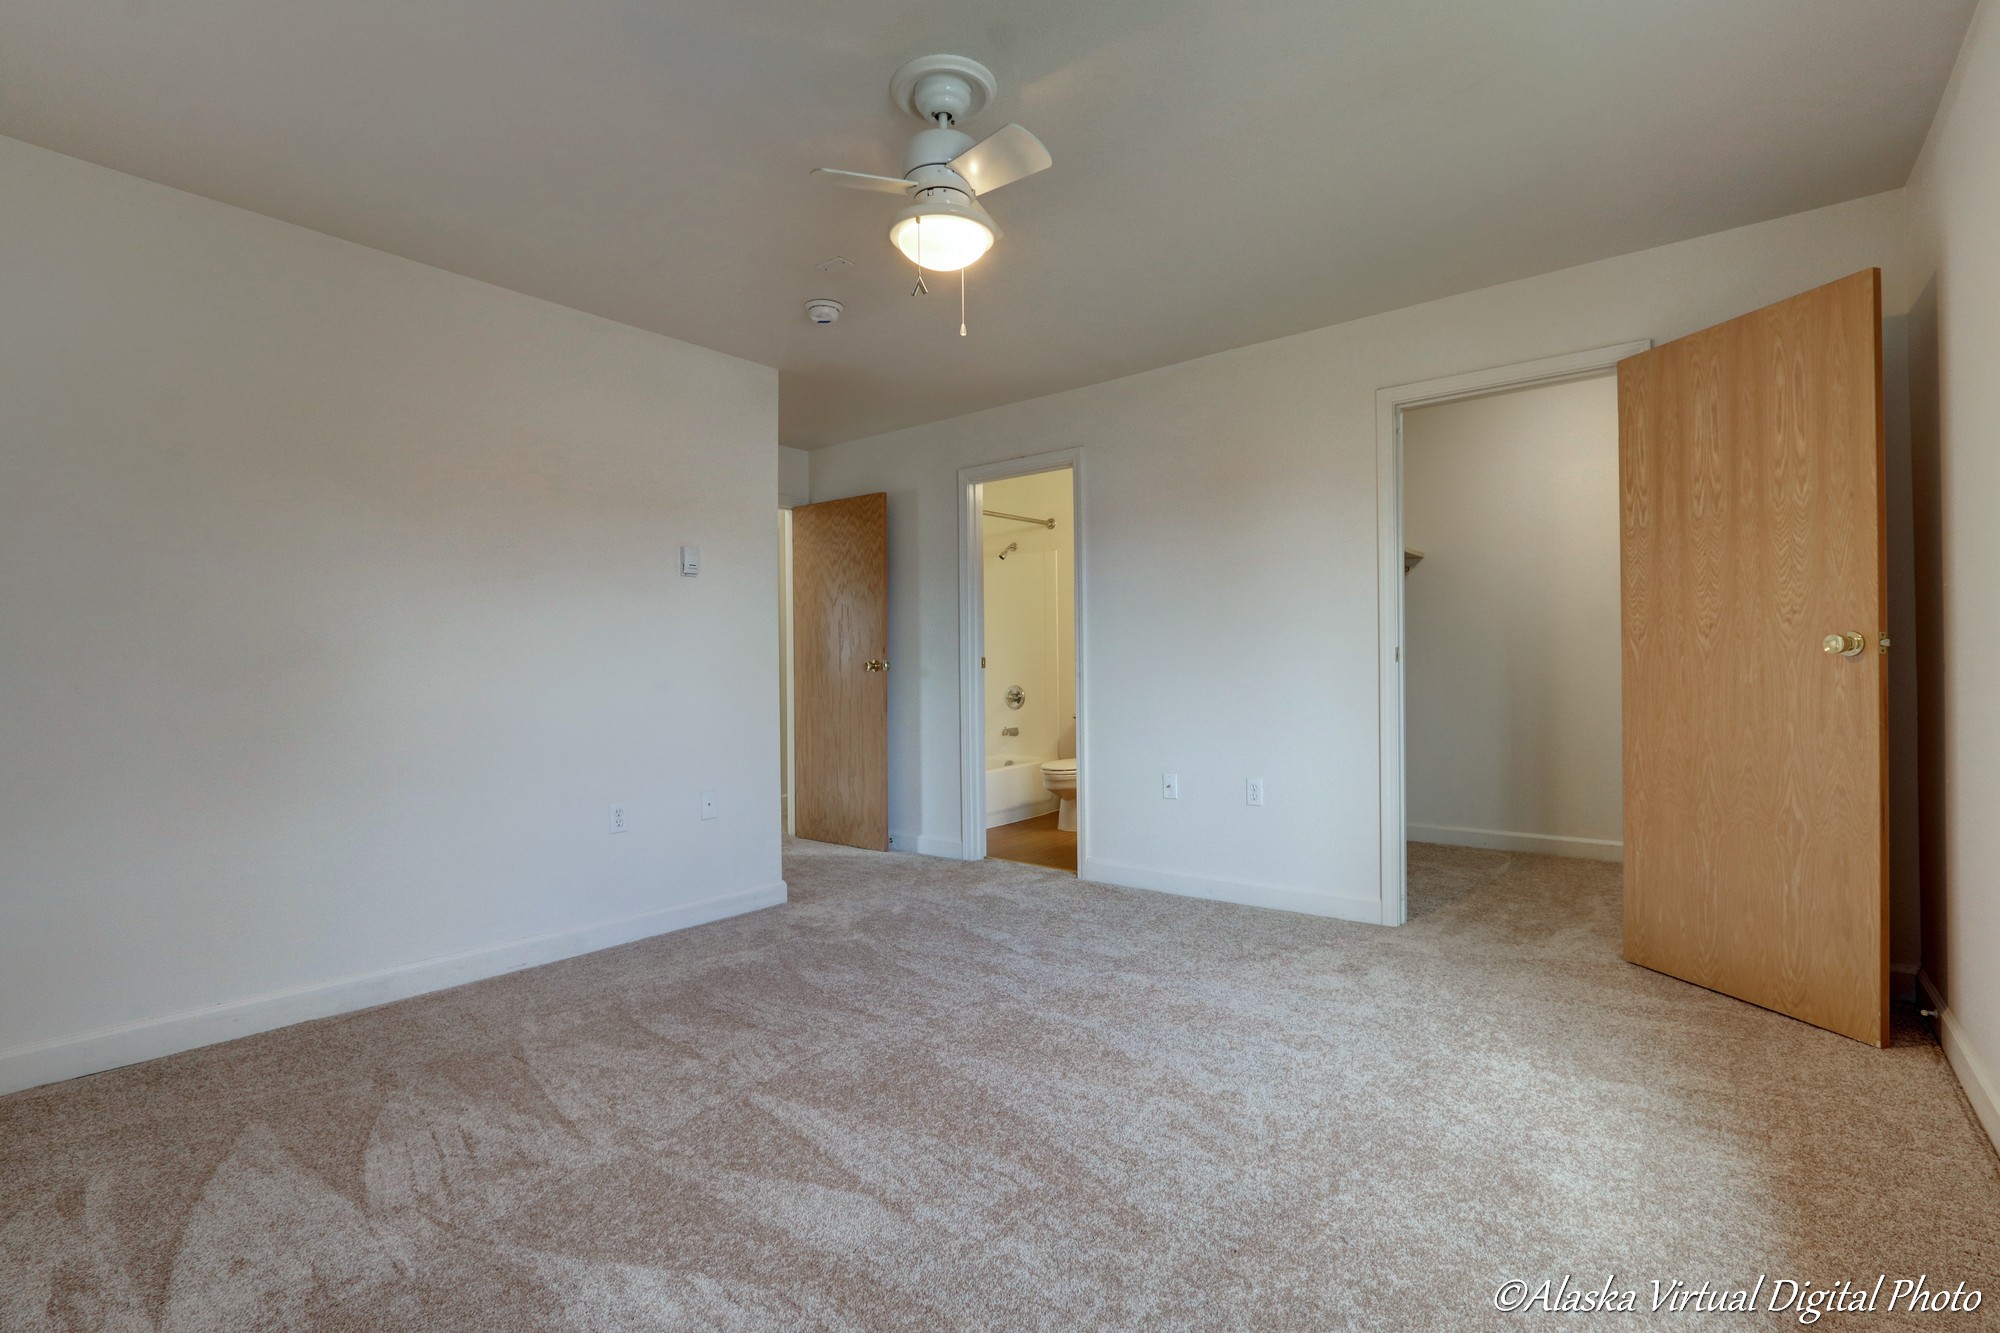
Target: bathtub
[{"x": 1014, "y": 789}]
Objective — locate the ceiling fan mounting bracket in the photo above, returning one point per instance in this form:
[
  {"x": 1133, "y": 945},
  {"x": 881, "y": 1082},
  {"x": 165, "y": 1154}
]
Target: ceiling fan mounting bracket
[{"x": 954, "y": 86}]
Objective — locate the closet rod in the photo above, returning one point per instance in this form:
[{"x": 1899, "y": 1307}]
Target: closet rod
[{"x": 1020, "y": 518}]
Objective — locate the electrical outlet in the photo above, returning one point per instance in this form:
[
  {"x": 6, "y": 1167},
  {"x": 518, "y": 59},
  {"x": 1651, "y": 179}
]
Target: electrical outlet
[
  {"x": 1170, "y": 788},
  {"x": 1254, "y": 792},
  {"x": 708, "y": 802},
  {"x": 617, "y": 819}
]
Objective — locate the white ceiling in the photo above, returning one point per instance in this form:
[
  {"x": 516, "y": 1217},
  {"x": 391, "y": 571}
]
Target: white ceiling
[{"x": 1227, "y": 171}]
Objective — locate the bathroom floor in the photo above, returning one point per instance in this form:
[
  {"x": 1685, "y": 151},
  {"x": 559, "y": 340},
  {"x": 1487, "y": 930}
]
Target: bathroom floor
[{"x": 1035, "y": 842}]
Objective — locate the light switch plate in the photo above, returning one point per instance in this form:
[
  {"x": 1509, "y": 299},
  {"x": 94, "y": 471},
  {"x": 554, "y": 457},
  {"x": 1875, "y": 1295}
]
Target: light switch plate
[
  {"x": 690, "y": 561},
  {"x": 1170, "y": 787},
  {"x": 708, "y": 804}
]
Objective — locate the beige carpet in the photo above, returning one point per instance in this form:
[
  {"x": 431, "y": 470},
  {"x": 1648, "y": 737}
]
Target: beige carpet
[{"x": 931, "y": 1095}]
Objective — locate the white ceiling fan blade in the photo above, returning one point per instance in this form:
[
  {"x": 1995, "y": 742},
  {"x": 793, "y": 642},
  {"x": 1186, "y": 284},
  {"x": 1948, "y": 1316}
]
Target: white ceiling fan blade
[
  {"x": 857, "y": 180},
  {"x": 1001, "y": 158}
]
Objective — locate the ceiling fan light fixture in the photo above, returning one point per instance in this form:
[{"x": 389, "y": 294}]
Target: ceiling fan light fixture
[{"x": 944, "y": 233}]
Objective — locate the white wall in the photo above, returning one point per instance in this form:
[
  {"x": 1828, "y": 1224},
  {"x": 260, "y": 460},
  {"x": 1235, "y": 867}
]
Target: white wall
[
  {"x": 1511, "y": 655},
  {"x": 1230, "y": 569},
  {"x": 1955, "y": 409},
  {"x": 794, "y": 477},
  {"x": 341, "y": 601}
]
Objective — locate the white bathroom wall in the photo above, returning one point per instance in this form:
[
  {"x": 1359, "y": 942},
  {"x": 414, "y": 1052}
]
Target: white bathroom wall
[
  {"x": 1021, "y": 653},
  {"x": 1031, "y": 614},
  {"x": 1955, "y": 408},
  {"x": 339, "y": 602},
  {"x": 1511, "y": 621},
  {"x": 1231, "y": 562}
]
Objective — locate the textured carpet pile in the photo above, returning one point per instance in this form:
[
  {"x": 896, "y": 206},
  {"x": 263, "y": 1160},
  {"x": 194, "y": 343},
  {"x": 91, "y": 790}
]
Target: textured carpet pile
[{"x": 932, "y": 1095}]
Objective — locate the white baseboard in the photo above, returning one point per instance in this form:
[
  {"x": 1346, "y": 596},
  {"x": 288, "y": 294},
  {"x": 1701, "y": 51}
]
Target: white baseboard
[
  {"x": 949, "y": 848},
  {"x": 109, "y": 1048},
  {"x": 1014, "y": 814},
  {"x": 1981, "y": 1089},
  {"x": 1500, "y": 840},
  {"x": 1233, "y": 891}
]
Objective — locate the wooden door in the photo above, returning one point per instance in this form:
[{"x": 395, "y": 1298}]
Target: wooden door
[
  {"x": 840, "y": 671},
  {"x": 1756, "y": 769}
]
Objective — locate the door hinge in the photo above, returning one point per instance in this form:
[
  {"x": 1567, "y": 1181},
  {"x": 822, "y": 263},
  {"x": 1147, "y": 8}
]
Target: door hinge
[{"x": 982, "y": 664}]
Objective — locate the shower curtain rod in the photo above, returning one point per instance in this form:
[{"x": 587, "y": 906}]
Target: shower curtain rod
[{"x": 1020, "y": 518}]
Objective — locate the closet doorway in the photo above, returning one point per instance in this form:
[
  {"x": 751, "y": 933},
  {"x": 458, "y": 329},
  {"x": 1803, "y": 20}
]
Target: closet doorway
[
  {"x": 1511, "y": 653},
  {"x": 1501, "y": 689},
  {"x": 1753, "y": 527}
]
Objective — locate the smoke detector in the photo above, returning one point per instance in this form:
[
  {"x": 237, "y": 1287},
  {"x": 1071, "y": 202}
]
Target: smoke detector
[{"x": 823, "y": 312}]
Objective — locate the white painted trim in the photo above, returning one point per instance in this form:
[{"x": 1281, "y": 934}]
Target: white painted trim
[
  {"x": 1981, "y": 1088},
  {"x": 1390, "y": 404},
  {"x": 1501, "y": 840},
  {"x": 1233, "y": 891},
  {"x": 971, "y": 625},
  {"x": 1014, "y": 814},
  {"x": 918, "y": 845},
  {"x": 129, "y": 1043},
  {"x": 788, "y": 780}
]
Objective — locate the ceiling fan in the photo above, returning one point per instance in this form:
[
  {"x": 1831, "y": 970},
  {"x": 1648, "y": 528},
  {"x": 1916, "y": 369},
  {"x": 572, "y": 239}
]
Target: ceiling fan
[{"x": 944, "y": 228}]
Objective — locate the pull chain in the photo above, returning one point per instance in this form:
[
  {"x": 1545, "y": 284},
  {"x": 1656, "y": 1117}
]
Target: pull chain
[
  {"x": 920, "y": 289},
  {"x": 961, "y": 303}
]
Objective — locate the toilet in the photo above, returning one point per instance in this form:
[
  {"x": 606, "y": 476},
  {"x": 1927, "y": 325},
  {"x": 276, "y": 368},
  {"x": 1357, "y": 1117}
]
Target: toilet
[{"x": 1059, "y": 776}]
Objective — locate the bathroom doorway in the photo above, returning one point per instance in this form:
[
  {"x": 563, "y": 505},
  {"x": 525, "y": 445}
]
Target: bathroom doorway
[{"x": 1023, "y": 694}]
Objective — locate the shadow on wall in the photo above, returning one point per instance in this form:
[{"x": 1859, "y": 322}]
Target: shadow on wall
[
  {"x": 1905, "y": 893},
  {"x": 1926, "y": 673}
]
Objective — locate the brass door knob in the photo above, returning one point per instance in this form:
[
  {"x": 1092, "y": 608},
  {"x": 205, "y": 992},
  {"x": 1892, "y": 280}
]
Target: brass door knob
[{"x": 1849, "y": 644}]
